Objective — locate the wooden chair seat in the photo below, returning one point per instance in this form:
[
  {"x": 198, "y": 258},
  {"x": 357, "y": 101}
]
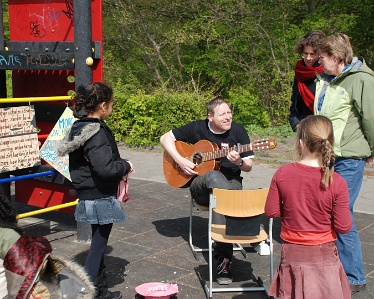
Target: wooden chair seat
[{"x": 219, "y": 235}]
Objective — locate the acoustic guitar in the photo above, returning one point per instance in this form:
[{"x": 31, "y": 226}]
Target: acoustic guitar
[{"x": 204, "y": 154}]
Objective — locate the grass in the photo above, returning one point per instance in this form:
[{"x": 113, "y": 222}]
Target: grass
[
  {"x": 284, "y": 131},
  {"x": 284, "y": 136}
]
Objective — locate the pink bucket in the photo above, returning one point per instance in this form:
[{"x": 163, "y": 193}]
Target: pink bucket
[{"x": 157, "y": 290}]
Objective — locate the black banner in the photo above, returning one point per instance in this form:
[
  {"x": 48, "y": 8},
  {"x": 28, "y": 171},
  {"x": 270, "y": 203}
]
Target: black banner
[{"x": 10, "y": 60}]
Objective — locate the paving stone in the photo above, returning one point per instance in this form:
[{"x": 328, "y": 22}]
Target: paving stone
[{"x": 152, "y": 245}]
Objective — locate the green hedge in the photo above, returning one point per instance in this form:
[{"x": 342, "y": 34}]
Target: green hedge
[{"x": 140, "y": 119}]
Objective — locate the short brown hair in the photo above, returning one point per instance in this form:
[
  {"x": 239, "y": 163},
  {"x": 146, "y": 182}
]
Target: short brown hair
[
  {"x": 213, "y": 104},
  {"x": 338, "y": 45},
  {"x": 312, "y": 38}
]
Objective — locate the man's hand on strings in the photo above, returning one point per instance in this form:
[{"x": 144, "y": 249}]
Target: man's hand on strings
[
  {"x": 187, "y": 166},
  {"x": 234, "y": 157}
]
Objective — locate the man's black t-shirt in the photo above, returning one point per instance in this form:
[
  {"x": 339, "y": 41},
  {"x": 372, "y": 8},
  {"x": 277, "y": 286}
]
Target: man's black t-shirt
[{"x": 199, "y": 130}]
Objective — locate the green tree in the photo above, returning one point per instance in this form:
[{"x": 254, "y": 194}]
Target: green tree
[{"x": 222, "y": 47}]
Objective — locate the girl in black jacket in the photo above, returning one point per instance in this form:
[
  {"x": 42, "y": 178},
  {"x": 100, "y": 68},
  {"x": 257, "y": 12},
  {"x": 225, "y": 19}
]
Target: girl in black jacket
[{"x": 95, "y": 168}]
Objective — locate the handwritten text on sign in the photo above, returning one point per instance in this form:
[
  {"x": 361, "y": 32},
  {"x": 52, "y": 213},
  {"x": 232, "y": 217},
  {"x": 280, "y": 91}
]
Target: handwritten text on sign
[
  {"x": 17, "y": 120},
  {"x": 48, "y": 151},
  {"x": 19, "y": 146}
]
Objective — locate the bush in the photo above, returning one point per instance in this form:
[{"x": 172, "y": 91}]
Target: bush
[
  {"x": 247, "y": 109},
  {"x": 140, "y": 119}
]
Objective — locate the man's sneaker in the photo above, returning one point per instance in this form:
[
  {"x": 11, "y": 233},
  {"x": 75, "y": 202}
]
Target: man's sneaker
[{"x": 224, "y": 275}]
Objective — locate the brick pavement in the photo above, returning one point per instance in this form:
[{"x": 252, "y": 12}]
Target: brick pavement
[{"x": 152, "y": 245}]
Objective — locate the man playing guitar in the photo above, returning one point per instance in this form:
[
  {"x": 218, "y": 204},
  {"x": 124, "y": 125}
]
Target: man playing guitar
[{"x": 222, "y": 131}]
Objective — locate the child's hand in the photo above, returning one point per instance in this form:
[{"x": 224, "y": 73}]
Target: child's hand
[{"x": 132, "y": 170}]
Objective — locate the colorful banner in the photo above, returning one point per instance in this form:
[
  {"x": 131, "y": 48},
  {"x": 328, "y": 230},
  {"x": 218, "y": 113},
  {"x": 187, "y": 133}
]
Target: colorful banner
[{"x": 48, "y": 151}]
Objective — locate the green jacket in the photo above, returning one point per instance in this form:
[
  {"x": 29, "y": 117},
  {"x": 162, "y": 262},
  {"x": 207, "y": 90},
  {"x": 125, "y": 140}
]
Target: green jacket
[{"x": 348, "y": 102}]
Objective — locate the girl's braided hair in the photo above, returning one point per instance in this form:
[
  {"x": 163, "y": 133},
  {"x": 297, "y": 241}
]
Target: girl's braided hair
[{"x": 316, "y": 132}]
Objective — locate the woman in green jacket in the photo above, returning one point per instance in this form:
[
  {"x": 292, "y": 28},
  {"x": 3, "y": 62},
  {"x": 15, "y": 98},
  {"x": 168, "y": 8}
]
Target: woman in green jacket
[{"x": 344, "y": 94}]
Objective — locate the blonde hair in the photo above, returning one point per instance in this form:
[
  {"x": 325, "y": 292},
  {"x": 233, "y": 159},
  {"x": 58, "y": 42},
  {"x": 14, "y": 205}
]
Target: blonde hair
[
  {"x": 338, "y": 45},
  {"x": 316, "y": 133}
]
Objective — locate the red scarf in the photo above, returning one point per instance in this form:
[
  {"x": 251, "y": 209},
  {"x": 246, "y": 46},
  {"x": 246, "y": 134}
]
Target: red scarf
[{"x": 302, "y": 74}]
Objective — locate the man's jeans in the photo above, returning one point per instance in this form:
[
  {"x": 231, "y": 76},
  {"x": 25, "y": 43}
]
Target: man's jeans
[
  {"x": 200, "y": 189},
  {"x": 349, "y": 245}
]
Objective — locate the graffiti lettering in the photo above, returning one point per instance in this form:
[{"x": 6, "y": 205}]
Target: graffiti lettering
[
  {"x": 47, "y": 59},
  {"x": 35, "y": 30},
  {"x": 10, "y": 60},
  {"x": 54, "y": 16},
  {"x": 69, "y": 12}
]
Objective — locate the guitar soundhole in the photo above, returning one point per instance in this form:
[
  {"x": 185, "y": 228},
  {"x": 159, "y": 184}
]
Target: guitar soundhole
[{"x": 197, "y": 158}]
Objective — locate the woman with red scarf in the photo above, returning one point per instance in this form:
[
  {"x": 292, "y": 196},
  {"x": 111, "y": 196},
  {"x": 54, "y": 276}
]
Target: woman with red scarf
[{"x": 304, "y": 87}]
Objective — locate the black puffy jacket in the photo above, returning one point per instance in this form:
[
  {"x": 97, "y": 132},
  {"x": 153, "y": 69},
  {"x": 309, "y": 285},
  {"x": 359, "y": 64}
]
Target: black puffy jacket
[
  {"x": 298, "y": 109},
  {"x": 94, "y": 161}
]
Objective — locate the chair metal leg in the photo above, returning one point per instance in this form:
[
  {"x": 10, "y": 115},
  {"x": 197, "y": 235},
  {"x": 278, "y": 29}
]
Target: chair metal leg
[
  {"x": 194, "y": 248},
  {"x": 238, "y": 247},
  {"x": 209, "y": 289}
]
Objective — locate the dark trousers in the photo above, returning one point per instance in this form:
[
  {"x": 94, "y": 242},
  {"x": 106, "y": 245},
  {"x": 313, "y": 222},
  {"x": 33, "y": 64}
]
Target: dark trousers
[
  {"x": 200, "y": 189},
  {"x": 95, "y": 259}
]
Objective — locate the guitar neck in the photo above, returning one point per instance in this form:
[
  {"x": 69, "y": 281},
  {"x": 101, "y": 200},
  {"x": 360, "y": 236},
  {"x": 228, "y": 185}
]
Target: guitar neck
[{"x": 224, "y": 152}]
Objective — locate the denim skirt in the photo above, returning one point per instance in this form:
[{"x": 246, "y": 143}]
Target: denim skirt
[{"x": 100, "y": 211}]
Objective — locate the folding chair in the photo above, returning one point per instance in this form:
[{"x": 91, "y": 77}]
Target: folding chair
[
  {"x": 194, "y": 248},
  {"x": 237, "y": 203}
]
